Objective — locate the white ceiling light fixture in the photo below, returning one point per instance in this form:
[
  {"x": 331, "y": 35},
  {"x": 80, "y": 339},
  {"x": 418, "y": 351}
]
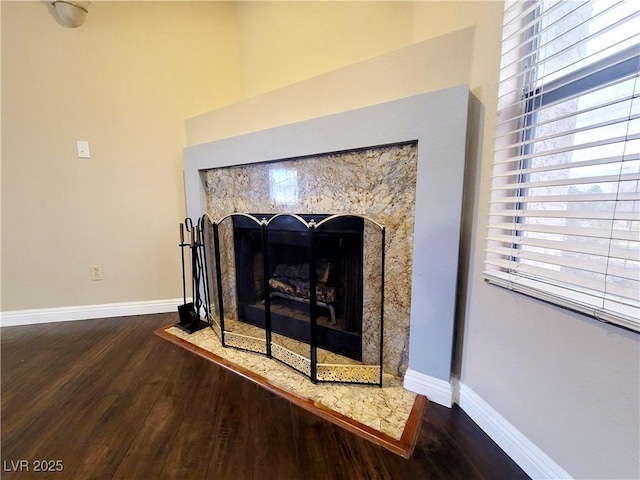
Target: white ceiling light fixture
[{"x": 70, "y": 14}]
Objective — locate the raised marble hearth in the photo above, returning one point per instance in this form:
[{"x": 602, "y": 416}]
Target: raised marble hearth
[{"x": 389, "y": 416}]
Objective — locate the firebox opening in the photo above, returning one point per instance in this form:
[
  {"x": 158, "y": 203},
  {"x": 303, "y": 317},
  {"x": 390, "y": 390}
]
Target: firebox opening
[{"x": 338, "y": 258}]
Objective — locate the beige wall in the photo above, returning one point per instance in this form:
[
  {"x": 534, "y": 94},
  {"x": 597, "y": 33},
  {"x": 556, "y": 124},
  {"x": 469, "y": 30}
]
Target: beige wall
[
  {"x": 418, "y": 68},
  {"x": 568, "y": 383},
  {"x": 125, "y": 82},
  {"x": 286, "y": 42}
]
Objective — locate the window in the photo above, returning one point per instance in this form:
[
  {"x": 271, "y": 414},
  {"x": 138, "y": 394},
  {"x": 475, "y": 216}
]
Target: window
[{"x": 565, "y": 205}]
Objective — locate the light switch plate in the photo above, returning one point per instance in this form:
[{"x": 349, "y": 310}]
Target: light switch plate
[{"x": 83, "y": 150}]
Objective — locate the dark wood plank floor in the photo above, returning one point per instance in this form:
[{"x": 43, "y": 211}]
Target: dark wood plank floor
[{"x": 108, "y": 399}]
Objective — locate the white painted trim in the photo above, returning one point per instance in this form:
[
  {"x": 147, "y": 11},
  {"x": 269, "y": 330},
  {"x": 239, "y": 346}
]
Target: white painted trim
[
  {"x": 523, "y": 451},
  {"x": 86, "y": 312},
  {"x": 435, "y": 389}
]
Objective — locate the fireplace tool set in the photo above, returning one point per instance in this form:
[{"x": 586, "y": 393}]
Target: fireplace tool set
[{"x": 190, "y": 312}]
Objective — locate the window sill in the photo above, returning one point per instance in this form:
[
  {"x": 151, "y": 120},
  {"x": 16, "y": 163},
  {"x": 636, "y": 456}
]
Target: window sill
[{"x": 614, "y": 313}]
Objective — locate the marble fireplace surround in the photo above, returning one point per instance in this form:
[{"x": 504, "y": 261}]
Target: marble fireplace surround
[
  {"x": 436, "y": 122},
  {"x": 378, "y": 183}
]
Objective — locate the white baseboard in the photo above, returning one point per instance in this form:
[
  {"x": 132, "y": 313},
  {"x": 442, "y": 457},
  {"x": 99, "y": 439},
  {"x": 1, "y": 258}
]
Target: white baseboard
[
  {"x": 86, "y": 312},
  {"x": 523, "y": 451},
  {"x": 435, "y": 389}
]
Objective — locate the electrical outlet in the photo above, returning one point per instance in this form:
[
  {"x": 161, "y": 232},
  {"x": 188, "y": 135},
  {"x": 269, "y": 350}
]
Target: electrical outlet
[{"x": 96, "y": 272}]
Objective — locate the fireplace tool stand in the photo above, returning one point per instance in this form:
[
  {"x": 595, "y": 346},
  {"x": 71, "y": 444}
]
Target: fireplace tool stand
[{"x": 190, "y": 312}]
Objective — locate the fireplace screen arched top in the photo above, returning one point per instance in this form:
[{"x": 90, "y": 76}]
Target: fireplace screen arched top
[{"x": 304, "y": 289}]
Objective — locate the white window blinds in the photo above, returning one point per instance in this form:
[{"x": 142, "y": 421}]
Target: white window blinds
[{"x": 565, "y": 206}]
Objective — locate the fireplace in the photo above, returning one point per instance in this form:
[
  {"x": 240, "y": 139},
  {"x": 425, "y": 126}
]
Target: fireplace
[
  {"x": 337, "y": 263},
  {"x": 293, "y": 287},
  {"x": 400, "y": 162}
]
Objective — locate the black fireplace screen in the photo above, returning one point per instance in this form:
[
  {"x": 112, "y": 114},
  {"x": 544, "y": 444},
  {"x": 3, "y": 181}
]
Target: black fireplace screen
[{"x": 307, "y": 290}]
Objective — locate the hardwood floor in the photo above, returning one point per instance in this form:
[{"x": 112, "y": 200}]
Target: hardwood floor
[{"x": 108, "y": 399}]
